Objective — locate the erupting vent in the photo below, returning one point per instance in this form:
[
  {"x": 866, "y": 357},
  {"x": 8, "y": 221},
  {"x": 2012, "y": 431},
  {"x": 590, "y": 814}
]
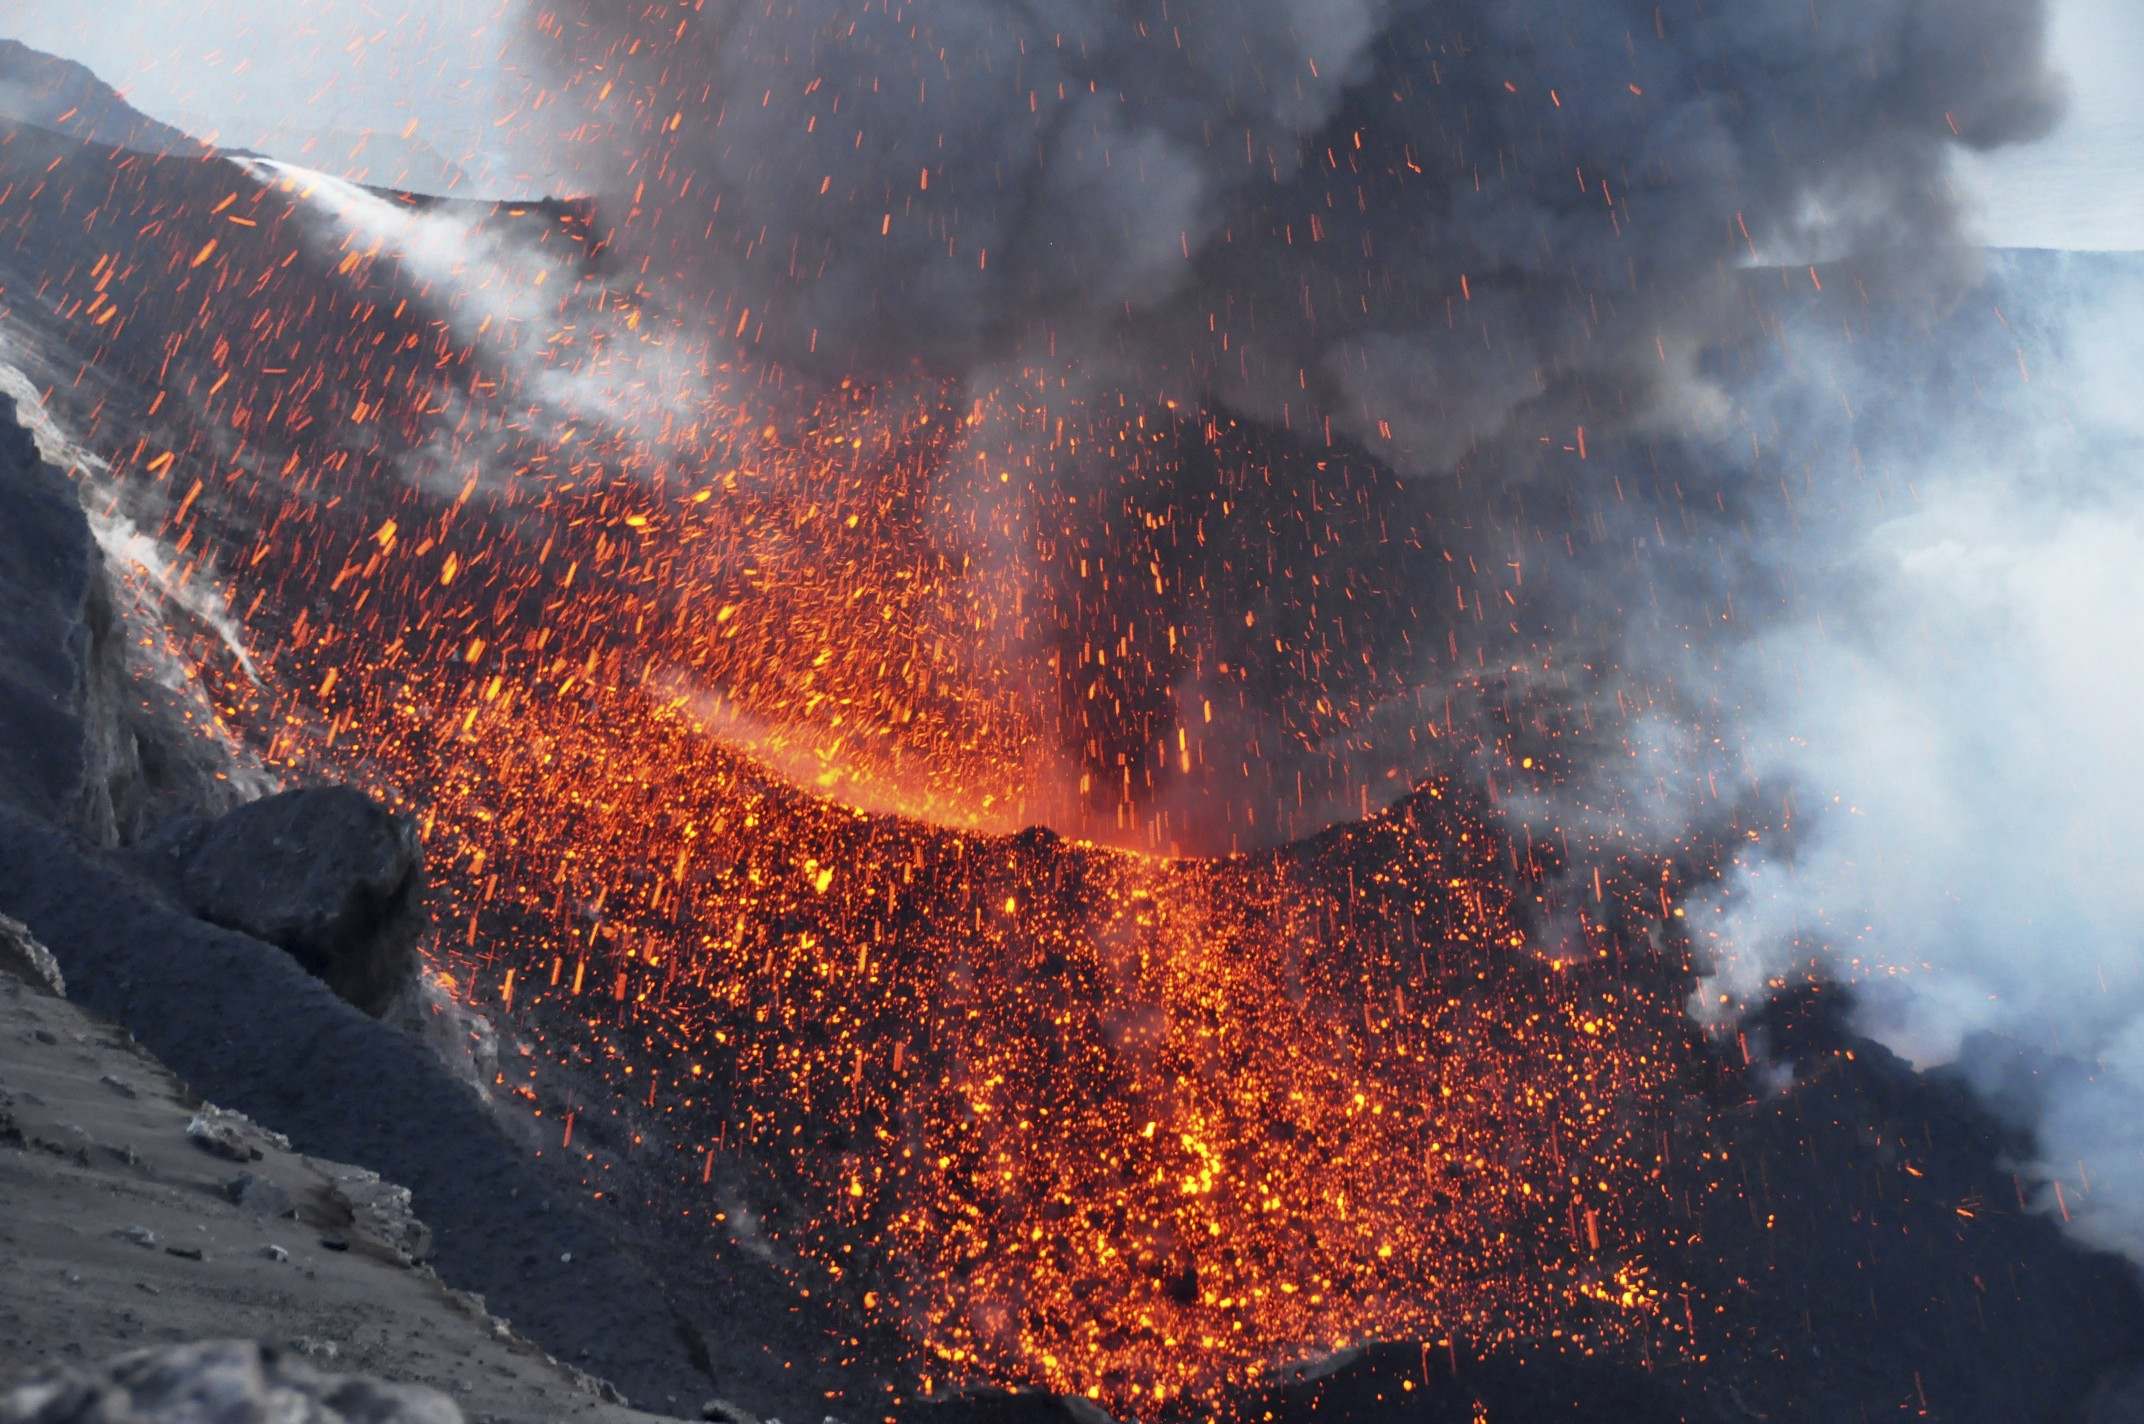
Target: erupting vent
[
  {"x": 1067, "y": 642},
  {"x": 1071, "y": 1116}
]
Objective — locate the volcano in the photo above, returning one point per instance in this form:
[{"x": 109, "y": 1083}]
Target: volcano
[{"x": 974, "y": 941}]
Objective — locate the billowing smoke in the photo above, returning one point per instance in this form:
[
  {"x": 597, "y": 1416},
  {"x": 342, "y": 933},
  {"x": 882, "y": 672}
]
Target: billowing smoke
[
  {"x": 1415, "y": 221},
  {"x": 1261, "y": 258},
  {"x": 1952, "y": 705}
]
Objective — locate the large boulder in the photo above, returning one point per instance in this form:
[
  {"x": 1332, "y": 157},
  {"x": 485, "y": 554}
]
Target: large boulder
[
  {"x": 326, "y": 874},
  {"x": 227, "y": 1381}
]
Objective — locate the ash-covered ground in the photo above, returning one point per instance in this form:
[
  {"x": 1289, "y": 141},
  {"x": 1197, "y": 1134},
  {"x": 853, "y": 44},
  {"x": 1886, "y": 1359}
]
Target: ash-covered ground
[{"x": 1838, "y": 1236}]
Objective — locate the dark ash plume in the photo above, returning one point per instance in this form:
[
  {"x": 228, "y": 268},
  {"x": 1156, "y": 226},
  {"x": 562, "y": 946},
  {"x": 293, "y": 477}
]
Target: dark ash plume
[
  {"x": 1423, "y": 222},
  {"x": 1306, "y": 248}
]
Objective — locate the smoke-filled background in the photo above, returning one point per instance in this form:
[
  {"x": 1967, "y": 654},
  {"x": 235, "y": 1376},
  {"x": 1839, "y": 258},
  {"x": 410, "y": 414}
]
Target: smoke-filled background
[
  {"x": 1661, "y": 332},
  {"x": 1950, "y": 702},
  {"x": 1227, "y": 271}
]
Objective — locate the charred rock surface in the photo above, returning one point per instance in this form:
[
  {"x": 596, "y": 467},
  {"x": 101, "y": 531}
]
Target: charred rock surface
[{"x": 326, "y": 874}]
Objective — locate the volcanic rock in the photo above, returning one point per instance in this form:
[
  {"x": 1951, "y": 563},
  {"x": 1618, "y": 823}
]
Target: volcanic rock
[
  {"x": 464, "y": 1040},
  {"x": 262, "y": 1196},
  {"x": 235, "y": 1380},
  {"x": 376, "y": 1212},
  {"x": 69, "y": 755},
  {"x": 223, "y": 1134},
  {"x": 22, "y": 956},
  {"x": 326, "y": 874}
]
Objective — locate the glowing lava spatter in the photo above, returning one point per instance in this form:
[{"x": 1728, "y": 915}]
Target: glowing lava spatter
[{"x": 1075, "y": 1116}]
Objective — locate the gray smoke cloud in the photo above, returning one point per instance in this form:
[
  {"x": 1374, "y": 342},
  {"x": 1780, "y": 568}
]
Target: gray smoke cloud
[
  {"x": 1415, "y": 220},
  {"x": 1435, "y": 240}
]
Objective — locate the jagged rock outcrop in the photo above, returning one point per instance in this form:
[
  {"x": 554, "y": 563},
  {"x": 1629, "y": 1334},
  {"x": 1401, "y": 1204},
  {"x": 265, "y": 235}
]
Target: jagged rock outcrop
[
  {"x": 375, "y": 1212},
  {"x": 228, "y": 1381},
  {"x": 68, "y": 754},
  {"x": 23, "y": 957},
  {"x": 326, "y": 874},
  {"x": 463, "y": 1039}
]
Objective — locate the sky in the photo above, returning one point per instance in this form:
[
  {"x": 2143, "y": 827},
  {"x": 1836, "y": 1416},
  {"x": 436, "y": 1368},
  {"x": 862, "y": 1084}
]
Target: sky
[
  {"x": 261, "y": 73},
  {"x": 247, "y": 68},
  {"x": 2083, "y": 187}
]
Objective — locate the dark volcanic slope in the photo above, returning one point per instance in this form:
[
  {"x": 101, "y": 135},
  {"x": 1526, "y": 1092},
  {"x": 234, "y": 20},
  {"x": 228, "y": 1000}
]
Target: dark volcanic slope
[
  {"x": 248, "y": 1029},
  {"x": 1881, "y": 1258},
  {"x": 94, "y": 1151},
  {"x": 60, "y": 95},
  {"x": 242, "y": 1023}
]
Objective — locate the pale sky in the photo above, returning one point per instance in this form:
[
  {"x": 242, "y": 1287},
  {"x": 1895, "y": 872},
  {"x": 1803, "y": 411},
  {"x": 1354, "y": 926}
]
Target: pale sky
[
  {"x": 245, "y": 68},
  {"x": 2083, "y": 187},
  {"x": 240, "y": 65}
]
